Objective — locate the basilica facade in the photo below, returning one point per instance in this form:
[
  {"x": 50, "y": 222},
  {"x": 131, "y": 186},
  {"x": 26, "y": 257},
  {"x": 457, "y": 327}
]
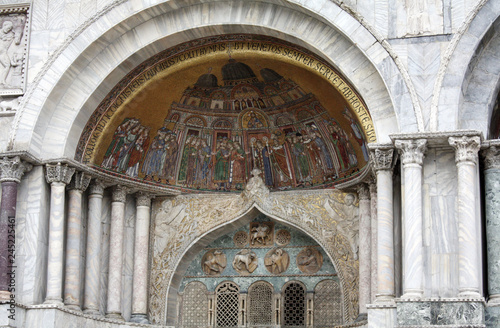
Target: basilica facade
[{"x": 230, "y": 163}]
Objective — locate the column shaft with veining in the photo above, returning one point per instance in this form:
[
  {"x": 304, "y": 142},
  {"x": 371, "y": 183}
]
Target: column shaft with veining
[{"x": 364, "y": 248}]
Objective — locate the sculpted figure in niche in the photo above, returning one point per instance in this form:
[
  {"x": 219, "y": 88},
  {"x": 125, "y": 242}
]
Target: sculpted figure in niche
[
  {"x": 277, "y": 261},
  {"x": 309, "y": 260},
  {"x": 7, "y": 36},
  {"x": 347, "y": 216},
  {"x": 261, "y": 233},
  {"x": 214, "y": 262},
  {"x": 245, "y": 262}
]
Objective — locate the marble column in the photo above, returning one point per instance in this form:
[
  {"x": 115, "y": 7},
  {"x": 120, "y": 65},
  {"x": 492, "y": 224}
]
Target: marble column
[
  {"x": 93, "y": 252},
  {"x": 72, "y": 280},
  {"x": 364, "y": 249},
  {"x": 11, "y": 172},
  {"x": 466, "y": 149},
  {"x": 373, "y": 241},
  {"x": 114, "y": 295},
  {"x": 383, "y": 163},
  {"x": 412, "y": 154},
  {"x": 141, "y": 247},
  {"x": 58, "y": 176},
  {"x": 492, "y": 209}
]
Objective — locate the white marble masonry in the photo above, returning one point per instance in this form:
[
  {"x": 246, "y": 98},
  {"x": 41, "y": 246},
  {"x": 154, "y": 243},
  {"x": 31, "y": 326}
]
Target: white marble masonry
[
  {"x": 58, "y": 176},
  {"x": 113, "y": 310},
  {"x": 364, "y": 248},
  {"x": 412, "y": 153},
  {"x": 466, "y": 149}
]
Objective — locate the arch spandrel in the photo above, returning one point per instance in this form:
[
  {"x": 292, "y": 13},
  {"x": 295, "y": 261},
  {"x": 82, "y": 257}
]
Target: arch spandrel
[{"x": 196, "y": 221}]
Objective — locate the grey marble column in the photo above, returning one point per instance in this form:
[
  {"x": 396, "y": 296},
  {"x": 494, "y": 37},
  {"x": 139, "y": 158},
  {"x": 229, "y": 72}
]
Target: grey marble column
[
  {"x": 11, "y": 172},
  {"x": 140, "y": 280},
  {"x": 72, "y": 280},
  {"x": 93, "y": 251},
  {"x": 492, "y": 209},
  {"x": 114, "y": 295},
  {"x": 466, "y": 149},
  {"x": 364, "y": 249},
  {"x": 382, "y": 159},
  {"x": 58, "y": 176},
  {"x": 373, "y": 241},
  {"x": 412, "y": 154}
]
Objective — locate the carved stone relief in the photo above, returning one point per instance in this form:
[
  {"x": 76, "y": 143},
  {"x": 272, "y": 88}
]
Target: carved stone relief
[
  {"x": 245, "y": 262},
  {"x": 13, "y": 45},
  {"x": 283, "y": 237},
  {"x": 277, "y": 261},
  {"x": 213, "y": 262},
  {"x": 325, "y": 215},
  {"x": 309, "y": 260},
  {"x": 261, "y": 233},
  {"x": 240, "y": 239}
]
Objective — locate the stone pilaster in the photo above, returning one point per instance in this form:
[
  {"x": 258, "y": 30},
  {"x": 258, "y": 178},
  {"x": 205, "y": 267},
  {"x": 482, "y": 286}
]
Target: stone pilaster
[
  {"x": 58, "y": 176},
  {"x": 492, "y": 209},
  {"x": 412, "y": 154},
  {"x": 119, "y": 197},
  {"x": 140, "y": 280},
  {"x": 11, "y": 172},
  {"x": 466, "y": 149},
  {"x": 364, "y": 249},
  {"x": 72, "y": 281},
  {"x": 382, "y": 159},
  {"x": 93, "y": 252}
]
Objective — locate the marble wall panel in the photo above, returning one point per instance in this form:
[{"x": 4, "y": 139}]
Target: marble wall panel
[
  {"x": 438, "y": 313},
  {"x": 492, "y": 316},
  {"x": 103, "y": 281}
]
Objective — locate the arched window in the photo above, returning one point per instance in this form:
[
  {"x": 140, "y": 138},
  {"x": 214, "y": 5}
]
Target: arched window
[
  {"x": 327, "y": 304},
  {"x": 194, "y": 305},
  {"x": 294, "y": 305},
  {"x": 227, "y": 305},
  {"x": 260, "y": 296}
]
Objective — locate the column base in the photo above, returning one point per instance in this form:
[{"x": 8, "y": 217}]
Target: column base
[
  {"x": 469, "y": 293},
  {"x": 57, "y": 302},
  {"x": 139, "y": 318},
  {"x": 94, "y": 312},
  {"x": 494, "y": 300},
  {"x": 73, "y": 307},
  {"x": 115, "y": 316},
  {"x": 384, "y": 298},
  {"x": 413, "y": 294},
  {"x": 362, "y": 317}
]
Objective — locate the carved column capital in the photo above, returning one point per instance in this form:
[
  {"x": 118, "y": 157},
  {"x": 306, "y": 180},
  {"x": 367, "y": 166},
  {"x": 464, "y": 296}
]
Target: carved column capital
[
  {"x": 466, "y": 148},
  {"x": 59, "y": 173},
  {"x": 143, "y": 199},
  {"x": 363, "y": 192},
  {"x": 491, "y": 157},
  {"x": 80, "y": 181},
  {"x": 97, "y": 187},
  {"x": 411, "y": 151},
  {"x": 12, "y": 169},
  {"x": 382, "y": 157},
  {"x": 119, "y": 194}
]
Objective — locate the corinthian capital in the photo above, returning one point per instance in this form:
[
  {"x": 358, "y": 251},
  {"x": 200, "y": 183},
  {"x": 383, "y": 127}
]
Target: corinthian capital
[
  {"x": 80, "y": 181},
  {"x": 411, "y": 151},
  {"x": 119, "y": 194},
  {"x": 466, "y": 148},
  {"x": 382, "y": 157},
  {"x": 143, "y": 199},
  {"x": 59, "y": 173},
  {"x": 12, "y": 169},
  {"x": 363, "y": 192},
  {"x": 491, "y": 157}
]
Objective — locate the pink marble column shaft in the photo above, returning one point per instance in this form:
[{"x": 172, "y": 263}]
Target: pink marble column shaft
[
  {"x": 141, "y": 247},
  {"x": 93, "y": 252},
  {"x": 364, "y": 248},
  {"x": 72, "y": 280},
  {"x": 113, "y": 310},
  {"x": 466, "y": 150},
  {"x": 58, "y": 176}
]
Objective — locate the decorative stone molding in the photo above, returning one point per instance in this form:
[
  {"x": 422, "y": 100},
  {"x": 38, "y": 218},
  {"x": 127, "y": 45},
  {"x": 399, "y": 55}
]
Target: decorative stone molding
[
  {"x": 466, "y": 148},
  {"x": 491, "y": 158},
  {"x": 363, "y": 192},
  {"x": 119, "y": 194},
  {"x": 143, "y": 199},
  {"x": 382, "y": 157},
  {"x": 59, "y": 173},
  {"x": 97, "y": 187},
  {"x": 12, "y": 169},
  {"x": 411, "y": 151},
  {"x": 80, "y": 181}
]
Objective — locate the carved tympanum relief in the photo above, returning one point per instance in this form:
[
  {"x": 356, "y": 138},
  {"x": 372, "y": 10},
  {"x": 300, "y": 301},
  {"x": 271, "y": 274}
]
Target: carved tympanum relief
[
  {"x": 213, "y": 262},
  {"x": 309, "y": 260},
  {"x": 277, "y": 260},
  {"x": 261, "y": 233},
  {"x": 329, "y": 216},
  {"x": 245, "y": 262}
]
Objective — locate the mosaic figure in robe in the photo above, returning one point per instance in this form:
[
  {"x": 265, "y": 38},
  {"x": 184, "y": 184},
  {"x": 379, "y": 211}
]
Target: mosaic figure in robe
[
  {"x": 261, "y": 155},
  {"x": 169, "y": 158},
  {"x": 221, "y": 173},
  {"x": 138, "y": 150},
  {"x": 280, "y": 164},
  {"x": 152, "y": 162},
  {"x": 238, "y": 166}
]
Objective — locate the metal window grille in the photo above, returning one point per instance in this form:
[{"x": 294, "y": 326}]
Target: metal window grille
[
  {"x": 294, "y": 306},
  {"x": 260, "y": 304},
  {"x": 327, "y": 304},
  {"x": 227, "y": 305},
  {"x": 195, "y": 305}
]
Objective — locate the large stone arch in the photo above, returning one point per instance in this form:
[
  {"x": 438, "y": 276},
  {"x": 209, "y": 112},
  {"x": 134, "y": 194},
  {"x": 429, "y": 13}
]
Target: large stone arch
[
  {"x": 169, "y": 266},
  {"x": 465, "y": 90},
  {"x": 80, "y": 74}
]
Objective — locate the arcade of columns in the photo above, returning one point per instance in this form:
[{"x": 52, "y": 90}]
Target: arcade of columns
[{"x": 376, "y": 252}]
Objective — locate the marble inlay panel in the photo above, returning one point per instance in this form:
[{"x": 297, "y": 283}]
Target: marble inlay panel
[{"x": 440, "y": 313}]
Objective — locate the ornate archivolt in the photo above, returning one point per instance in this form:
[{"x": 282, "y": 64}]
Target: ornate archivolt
[{"x": 329, "y": 216}]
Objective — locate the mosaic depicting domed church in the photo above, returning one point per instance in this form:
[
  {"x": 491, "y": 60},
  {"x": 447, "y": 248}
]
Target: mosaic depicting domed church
[{"x": 234, "y": 118}]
